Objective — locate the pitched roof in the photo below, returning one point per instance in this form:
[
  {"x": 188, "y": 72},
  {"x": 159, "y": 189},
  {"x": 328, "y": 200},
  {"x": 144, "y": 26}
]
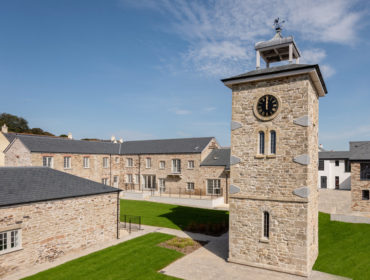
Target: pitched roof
[
  {"x": 360, "y": 150},
  {"x": 166, "y": 146},
  {"x": 334, "y": 155},
  {"x": 32, "y": 184},
  {"x": 64, "y": 145},
  {"x": 277, "y": 70},
  {"x": 218, "y": 157}
]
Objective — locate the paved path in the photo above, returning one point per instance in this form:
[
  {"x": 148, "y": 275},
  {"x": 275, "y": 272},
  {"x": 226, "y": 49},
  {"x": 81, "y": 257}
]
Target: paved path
[{"x": 208, "y": 263}]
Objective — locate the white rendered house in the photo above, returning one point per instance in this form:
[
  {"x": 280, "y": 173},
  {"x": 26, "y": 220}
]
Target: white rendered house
[{"x": 334, "y": 170}]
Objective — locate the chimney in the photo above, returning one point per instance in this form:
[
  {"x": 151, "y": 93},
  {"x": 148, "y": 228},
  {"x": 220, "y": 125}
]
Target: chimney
[
  {"x": 70, "y": 135},
  {"x": 121, "y": 140},
  {"x": 4, "y": 128},
  {"x": 113, "y": 139},
  {"x": 321, "y": 146}
]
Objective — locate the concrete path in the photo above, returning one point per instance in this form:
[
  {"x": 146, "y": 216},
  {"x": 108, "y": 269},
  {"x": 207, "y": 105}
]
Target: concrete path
[
  {"x": 209, "y": 263},
  {"x": 334, "y": 201}
]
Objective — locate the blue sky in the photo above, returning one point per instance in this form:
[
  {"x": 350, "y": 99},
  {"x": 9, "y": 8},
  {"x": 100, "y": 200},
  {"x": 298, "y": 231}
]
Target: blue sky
[{"x": 152, "y": 69}]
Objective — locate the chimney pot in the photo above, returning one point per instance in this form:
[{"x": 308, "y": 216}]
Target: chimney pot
[
  {"x": 4, "y": 128},
  {"x": 70, "y": 135}
]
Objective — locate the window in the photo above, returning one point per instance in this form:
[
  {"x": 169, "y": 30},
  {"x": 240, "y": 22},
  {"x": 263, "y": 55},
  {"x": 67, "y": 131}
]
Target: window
[
  {"x": 148, "y": 162},
  {"x": 105, "y": 162},
  {"x": 324, "y": 182},
  {"x": 129, "y": 178},
  {"x": 337, "y": 163},
  {"x": 365, "y": 171},
  {"x": 347, "y": 166},
  {"x": 137, "y": 178},
  {"x": 321, "y": 164},
  {"x": 191, "y": 164},
  {"x": 272, "y": 142},
  {"x": 115, "y": 181},
  {"x": 86, "y": 162},
  {"x": 162, "y": 184},
  {"x": 10, "y": 241},
  {"x": 129, "y": 162},
  {"x": 148, "y": 182},
  {"x": 176, "y": 166},
  {"x": 67, "y": 162},
  {"x": 162, "y": 164},
  {"x": 266, "y": 224},
  {"x": 336, "y": 182},
  {"x": 190, "y": 186},
  {"x": 116, "y": 159},
  {"x": 47, "y": 161},
  {"x": 365, "y": 195},
  {"x": 213, "y": 186},
  {"x": 104, "y": 181},
  {"x": 261, "y": 143}
]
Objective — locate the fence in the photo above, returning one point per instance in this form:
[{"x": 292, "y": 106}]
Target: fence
[
  {"x": 190, "y": 193},
  {"x": 131, "y": 222}
]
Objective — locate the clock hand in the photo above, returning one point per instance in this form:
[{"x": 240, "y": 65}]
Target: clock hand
[{"x": 267, "y": 100}]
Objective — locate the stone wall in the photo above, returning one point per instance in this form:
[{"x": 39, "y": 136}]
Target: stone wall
[
  {"x": 55, "y": 228},
  {"x": 3, "y": 144},
  {"x": 357, "y": 186},
  {"x": 17, "y": 155},
  {"x": 269, "y": 180}
]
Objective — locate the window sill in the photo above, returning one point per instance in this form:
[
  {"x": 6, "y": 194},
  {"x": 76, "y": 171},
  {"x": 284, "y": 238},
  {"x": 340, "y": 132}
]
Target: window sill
[
  {"x": 86, "y": 167},
  {"x": 67, "y": 168},
  {"x": 271, "y": 156},
  {"x": 10, "y": 251},
  {"x": 264, "y": 240},
  {"x": 259, "y": 156}
]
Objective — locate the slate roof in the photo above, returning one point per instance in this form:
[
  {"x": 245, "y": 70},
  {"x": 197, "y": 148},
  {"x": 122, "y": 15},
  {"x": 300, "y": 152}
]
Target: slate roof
[
  {"x": 360, "y": 150},
  {"x": 20, "y": 185},
  {"x": 218, "y": 157},
  {"x": 334, "y": 155},
  {"x": 278, "y": 69},
  {"x": 64, "y": 145}
]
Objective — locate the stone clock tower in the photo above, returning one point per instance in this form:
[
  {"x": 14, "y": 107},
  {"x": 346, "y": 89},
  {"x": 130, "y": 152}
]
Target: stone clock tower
[{"x": 274, "y": 159}]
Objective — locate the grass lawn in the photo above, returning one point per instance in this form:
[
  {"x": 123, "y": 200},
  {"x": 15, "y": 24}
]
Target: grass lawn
[
  {"x": 172, "y": 216},
  {"x": 344, "y": 248},
  {"x": 139, "y": 258}
]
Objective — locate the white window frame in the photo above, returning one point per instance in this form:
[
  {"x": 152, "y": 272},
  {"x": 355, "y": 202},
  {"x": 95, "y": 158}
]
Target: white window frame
[
  {"x": 190, "y": 186},
  {"x": 215, "y": 184},
  {"x": 115, "y": 180},
  {"x": 191, "y": 164},
  {"x": 105, "y": 162},
  {"x": 67, "y": 162},
  {"x": 48, "y": 161},
  {"x": 129, "y": 162},
  {"x": 148, "y": 163},
  {"x": 176, "y": 166},
  {"x": 137, "y": 178},
  {"x": 162, "y": 164},
  {"x": 86, "y": 162},
  {"x": 129, "y": 179},
  {"x": 11, "y": 243},
  {"x": 104, "y": 181},
  {"x": 162, "y": 184},
  {"x": 148, "y": 180},
  {"x": 116, "y": 159}
]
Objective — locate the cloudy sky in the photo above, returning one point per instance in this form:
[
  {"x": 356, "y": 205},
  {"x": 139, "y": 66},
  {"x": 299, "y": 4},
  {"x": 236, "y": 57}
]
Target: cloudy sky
[{"x": 152, "y": 69}]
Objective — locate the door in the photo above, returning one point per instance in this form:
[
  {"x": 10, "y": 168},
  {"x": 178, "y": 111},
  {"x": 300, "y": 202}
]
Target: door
[
  {"x": 323, "y": 182},
  {"x": 336, "y": 182}
]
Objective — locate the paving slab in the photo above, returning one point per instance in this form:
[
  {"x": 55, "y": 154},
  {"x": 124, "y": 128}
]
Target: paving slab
[{"x": 209, "y": 263}]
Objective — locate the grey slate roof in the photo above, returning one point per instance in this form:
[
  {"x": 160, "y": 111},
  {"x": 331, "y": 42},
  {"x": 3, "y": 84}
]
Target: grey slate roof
[
  {"x": 360, "y": 150},
  {"x": 166, "y": 146},
  {"x": 218, "y": 157},
  {"x": 278, "y": 69},
  {"x": 9, "y": 136},
  {"x": 20, "y": 185},
  {"x": 65, "y": 145},
  {"x": 334, "y": 155}
]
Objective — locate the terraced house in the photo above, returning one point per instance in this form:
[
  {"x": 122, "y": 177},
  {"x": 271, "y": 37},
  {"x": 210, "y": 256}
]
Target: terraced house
[{"x": 194, "y": 166}]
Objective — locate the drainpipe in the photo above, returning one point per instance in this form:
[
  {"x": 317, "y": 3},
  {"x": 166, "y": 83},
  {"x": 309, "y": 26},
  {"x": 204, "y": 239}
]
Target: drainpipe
[
  {"x": 118, "y": 213},
  {"x": 110, "y": 170},
  {"x": 139, "y": 172},
  {"x": 227, "y": 189}
]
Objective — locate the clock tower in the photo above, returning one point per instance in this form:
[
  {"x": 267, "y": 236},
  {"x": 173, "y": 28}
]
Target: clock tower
[{"x": 274, "y": 159}]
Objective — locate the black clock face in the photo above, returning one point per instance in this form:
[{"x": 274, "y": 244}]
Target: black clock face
[{"x": 267, "y": 105}]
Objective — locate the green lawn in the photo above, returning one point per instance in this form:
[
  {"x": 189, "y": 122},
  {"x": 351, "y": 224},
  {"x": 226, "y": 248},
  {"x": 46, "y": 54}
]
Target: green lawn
[
  {"x": 172, "y": 216},
  {"x": 139, "y": 258},
  {"x": 344, "y": 248}
]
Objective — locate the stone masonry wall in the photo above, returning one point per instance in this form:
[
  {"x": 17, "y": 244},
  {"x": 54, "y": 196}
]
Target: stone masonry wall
[
  {"x": 18, "y": 155},
  {"x": 357, "y": 185},
  {"x": 269, "y": 180},
  {"x": 55, "y": 228}
]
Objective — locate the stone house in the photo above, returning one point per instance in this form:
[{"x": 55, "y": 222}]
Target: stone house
[
  {"x": 45, "y": 213},
  {"x": 167, "y": 166}
]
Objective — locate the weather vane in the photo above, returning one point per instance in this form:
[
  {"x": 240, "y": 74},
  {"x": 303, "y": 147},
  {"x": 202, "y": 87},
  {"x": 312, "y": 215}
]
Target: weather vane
[{"x": 278, "y": 24}]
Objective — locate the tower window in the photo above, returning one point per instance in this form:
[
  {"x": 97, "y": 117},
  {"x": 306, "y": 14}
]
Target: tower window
[
  {"x": 262, "y": 142},
  {"x": 266, "y": 224},
  {"x": 273, "y": 142}
]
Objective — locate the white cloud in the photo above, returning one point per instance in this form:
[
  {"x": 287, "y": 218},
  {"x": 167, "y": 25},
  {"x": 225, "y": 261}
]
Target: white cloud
[
  {"x": 209, "y": 109},
  {"x": 178, "y": 111},
  {"x": 315, "y": 56},
  {"x": 221, "y": 34}
]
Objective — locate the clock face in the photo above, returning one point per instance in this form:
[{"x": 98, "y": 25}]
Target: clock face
[{"x": 267, "y": 105}]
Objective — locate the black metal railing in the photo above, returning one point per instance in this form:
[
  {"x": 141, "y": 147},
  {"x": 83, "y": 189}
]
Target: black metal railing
[
  {"x": 190, "y": 193},
  {"x": 131, "y": 222}
]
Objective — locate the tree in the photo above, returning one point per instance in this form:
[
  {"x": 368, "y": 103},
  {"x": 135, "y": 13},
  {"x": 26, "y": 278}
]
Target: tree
[{"x": 14, "y": 123}]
